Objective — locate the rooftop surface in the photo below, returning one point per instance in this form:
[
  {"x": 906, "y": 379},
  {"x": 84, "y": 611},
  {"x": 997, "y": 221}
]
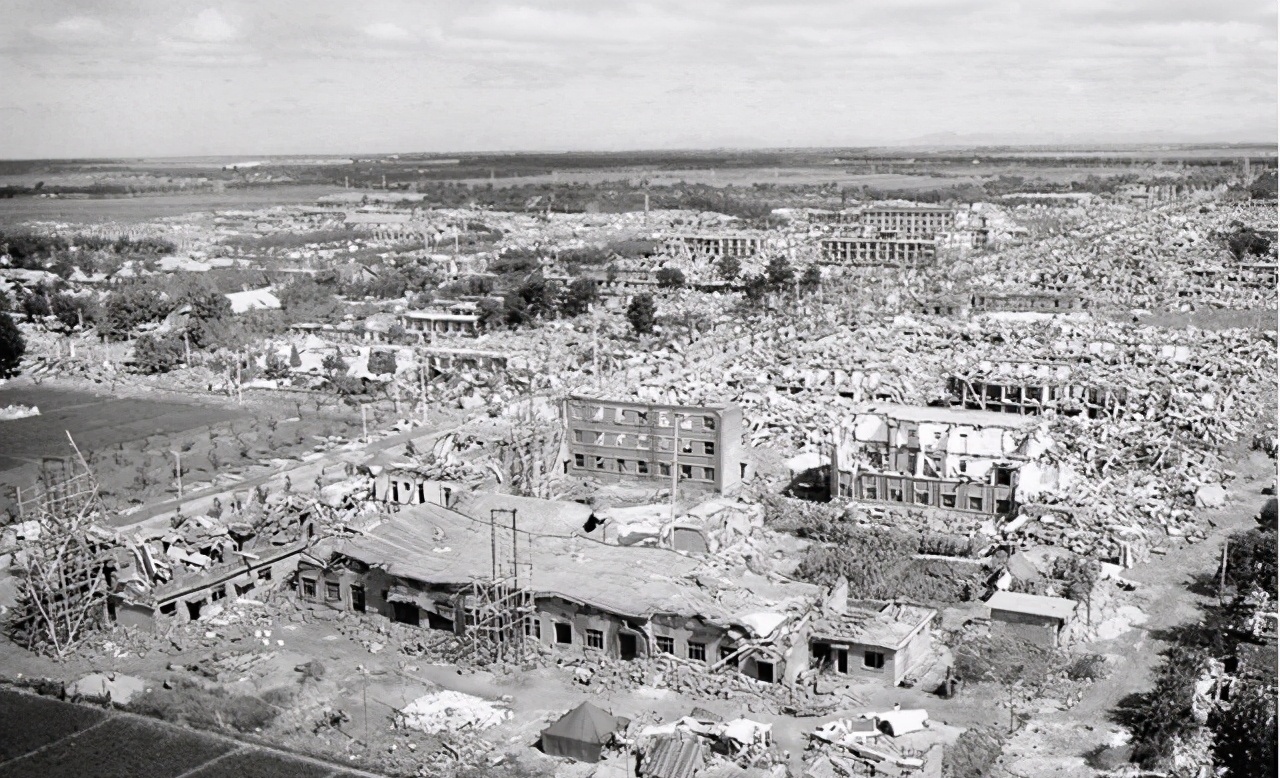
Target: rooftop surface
[
  {"x": 434, "y": 545},
  {"x": 889, "y": 627},
  {"x": 1033, "y": 604}
]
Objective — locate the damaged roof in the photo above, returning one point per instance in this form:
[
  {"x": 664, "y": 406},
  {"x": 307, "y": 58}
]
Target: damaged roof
[{"x": 434, "y": 545}]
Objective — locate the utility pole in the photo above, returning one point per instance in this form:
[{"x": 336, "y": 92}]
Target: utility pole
[
  {"x": 177, "y": 455},
  {"x": 675, "y": 463},
  {"x": 364, "y": 422},
  {"x": 1222, "y": 579}
]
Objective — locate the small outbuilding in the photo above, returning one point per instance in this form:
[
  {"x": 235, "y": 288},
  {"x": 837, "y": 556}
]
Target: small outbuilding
[
  {"x": 1034, "y": 617},
  {"x": 581, "y": 733}
]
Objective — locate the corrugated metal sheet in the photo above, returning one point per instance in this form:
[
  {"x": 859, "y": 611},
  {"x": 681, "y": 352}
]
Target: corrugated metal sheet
[{"x": 673, "y": 757}]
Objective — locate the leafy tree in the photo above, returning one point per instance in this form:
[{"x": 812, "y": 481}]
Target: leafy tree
[
  {"x": 779, "y": 272},
  {"x": 1251, "y": 561},
  {"x": 1159, "y": 717},
  {"x": 124, "y": 310},
  {"x": 578, "y": 297},
  {"x": 491, "y": 312},
  {"x": 642, "y": 314},
  {"x": 756, "y": 287},
  {"x": 382, "y": 362},
  {"x": 1245, "y": 733},
  {"x": 36, "y": 306},
  {"x": 334, "y": 364},
  {"x": 1244, "y": 241},
  {"x": 812, "y": 278},
  {"x": 295, "y": 359},
  {"x": 158, "y": 354},
  {"x": 71, "y": 310},
  {"x": 306, "y": 299},
  {"x": 1264, "y": 186},
  {"x": 208, "y": 308},
  {"x": 276, "y": 368},
  {"x": 729, "y": 267},
  {"x": 670, "y": 277},
  {"x": 12, "y": 346}
]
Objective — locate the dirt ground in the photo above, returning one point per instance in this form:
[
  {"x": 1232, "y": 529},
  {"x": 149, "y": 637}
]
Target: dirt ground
[{"x": 1055, "y": 742}]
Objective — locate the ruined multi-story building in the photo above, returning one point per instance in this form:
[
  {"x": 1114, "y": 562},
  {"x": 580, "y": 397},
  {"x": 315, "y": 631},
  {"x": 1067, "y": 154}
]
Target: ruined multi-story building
[
  {"x": 909, "y": 221},
  {"x": 620, "y": 439},
  {"x": 959, "y": 460},
  {"x": 1031, "y": 389},
  {"x": 879, "y": 252},
  {"x": 715, "y": 246}
]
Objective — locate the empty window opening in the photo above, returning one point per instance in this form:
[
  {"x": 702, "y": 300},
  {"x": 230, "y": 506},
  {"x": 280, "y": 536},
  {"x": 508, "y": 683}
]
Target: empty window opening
[
  {"x": 564, "y": 633},
  {"x": 665, "y": 645},
  {"x": 309, "y": 587},
  {"x": 873, "y": 660},
  {"x": 697, "y": 651},
  {"x": 332, "y": 592},
  {"x": 595, "y": 638}
]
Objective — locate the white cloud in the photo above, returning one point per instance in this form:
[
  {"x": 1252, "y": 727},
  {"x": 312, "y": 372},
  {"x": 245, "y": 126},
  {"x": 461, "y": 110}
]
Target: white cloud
[
  {"x": 209, "y": 26},
  {"x": 388, "y": 31},
  {"x": 76, "y": 29}
]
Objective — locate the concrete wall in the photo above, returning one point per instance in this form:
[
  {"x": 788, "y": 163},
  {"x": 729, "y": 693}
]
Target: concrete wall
[
  {"x": 1039, "y": 630},
  {"x": 237, "y": 581}
]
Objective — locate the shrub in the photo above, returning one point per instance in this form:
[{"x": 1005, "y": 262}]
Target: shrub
[
  {"x": 382, "y": 362},
  {"x": 578, "y": 297},
  {"x": 972, "y": 755},
  {"x": 642, "y": 314},
  {"x": 158, "y": 354},
  {"x": 191, "y": 704},
  {"x": 12, "y": 346},
  {"x": 670, "y": 277}
]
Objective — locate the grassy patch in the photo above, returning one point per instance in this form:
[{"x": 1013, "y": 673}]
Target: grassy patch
[
  {"x": 262, "y": 764},
  {"x": 191, "y": 704},
  {"x": 122, "y": 749},
  {"x": 31, "y": 722}
]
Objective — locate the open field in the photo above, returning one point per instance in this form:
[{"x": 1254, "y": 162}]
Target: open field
[
  {"x": 120, "y": 746},
  {"x": 152, "y": 206}
]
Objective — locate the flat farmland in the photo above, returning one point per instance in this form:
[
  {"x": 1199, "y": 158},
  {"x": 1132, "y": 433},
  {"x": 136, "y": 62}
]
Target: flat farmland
[
  {"x": 95, "y": 421},
  {"x": 80, "y": 741},
  {"x": 17, "y": 210},
  {"x": 32, "y": 722}
]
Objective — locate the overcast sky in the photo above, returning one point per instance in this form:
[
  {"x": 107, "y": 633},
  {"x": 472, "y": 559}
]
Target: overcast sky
[{"x": 171, "y": 77}]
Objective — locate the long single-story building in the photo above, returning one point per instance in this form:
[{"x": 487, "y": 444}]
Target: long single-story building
[{"x": 421, "y": 565}]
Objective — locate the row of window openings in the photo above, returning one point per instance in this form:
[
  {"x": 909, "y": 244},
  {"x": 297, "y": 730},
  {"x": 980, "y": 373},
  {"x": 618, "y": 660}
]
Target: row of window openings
[
  {"x": 220, "y": 592},
  {"x": 595, "y": 639},
  {"x": 639, "y": 418},
  {"x": 619, "y": 440},
  {"x": 333, "y": 592},
  {"x": 642, "y": 467},
  {"x": 922, "y": 497},
  {"x": 876, "y": 460}
]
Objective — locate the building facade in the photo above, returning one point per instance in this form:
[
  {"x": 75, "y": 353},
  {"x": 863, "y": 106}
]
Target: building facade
[
  {"x": 715, "y": 246},
  {"x": 879, "y": 252},
  {"x": 624, "y": 440},
  {"x": 958, "y": 460},
  {"x": 916, "y": 221}
]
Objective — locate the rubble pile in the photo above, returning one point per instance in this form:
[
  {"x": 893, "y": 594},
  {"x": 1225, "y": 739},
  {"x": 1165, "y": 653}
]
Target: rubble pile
[{"x": 1125, "y": 256}]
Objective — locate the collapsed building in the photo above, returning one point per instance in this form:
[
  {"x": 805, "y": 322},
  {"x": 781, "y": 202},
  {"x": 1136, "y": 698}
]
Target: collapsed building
[
  {"x": 434, "y": 567},
  {"x": 1031, "y": 389},
  {"x": 958, "y": 460},
  {"x": 878, "y": 252},
  {"x": 714, "y": 246},
  {"x": 630, "y": 440},
  {"x": 880, "y": 640}
]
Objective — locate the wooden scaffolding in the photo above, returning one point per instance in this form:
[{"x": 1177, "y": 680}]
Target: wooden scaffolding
[
  {"x": 63, "y": 562},
  {"x": 499, "y": 609}
]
